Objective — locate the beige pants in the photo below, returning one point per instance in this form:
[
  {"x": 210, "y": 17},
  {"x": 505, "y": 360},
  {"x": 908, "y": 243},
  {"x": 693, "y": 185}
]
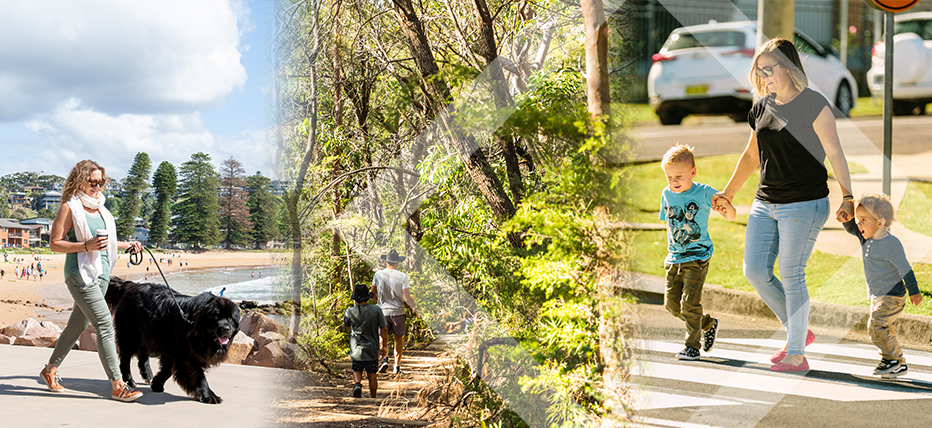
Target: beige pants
[{"x": 884, "y": 311}]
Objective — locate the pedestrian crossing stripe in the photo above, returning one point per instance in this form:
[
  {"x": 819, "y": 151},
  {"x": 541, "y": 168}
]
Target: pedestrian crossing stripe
[
  {"x": 764, "y": 380},
  {"x": 868, "y": 353}
]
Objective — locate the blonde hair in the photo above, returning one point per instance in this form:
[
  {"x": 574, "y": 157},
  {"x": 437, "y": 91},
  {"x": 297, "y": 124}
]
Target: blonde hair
[
  {"x": 78, "y": 176},
  {"x": 879, "y": 206},
  {"x": 679, "y": 153},
  {"x": 787, "y": 56}
]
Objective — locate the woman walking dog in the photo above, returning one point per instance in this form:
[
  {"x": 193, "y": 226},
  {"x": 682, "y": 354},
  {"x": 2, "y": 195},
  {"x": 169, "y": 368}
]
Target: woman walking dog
[{"x": 81, "y": 230}]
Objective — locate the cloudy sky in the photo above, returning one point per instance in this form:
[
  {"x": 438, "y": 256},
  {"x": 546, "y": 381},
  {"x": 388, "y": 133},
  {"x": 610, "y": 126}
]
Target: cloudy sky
[{"x": 106, "y": 79}]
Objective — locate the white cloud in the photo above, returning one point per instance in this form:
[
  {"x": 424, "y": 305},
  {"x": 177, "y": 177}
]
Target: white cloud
[
  {"x": 73, "y": 132},
  {"x": 139, "y": 57}
]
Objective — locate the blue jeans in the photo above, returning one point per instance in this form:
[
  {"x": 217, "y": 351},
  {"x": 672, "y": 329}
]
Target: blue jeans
[{"x": 788, "y": 231}]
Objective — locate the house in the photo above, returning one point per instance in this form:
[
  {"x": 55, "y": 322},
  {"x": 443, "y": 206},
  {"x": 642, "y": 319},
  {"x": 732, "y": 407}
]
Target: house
[
  {"x": 44, "y": 232},
  {"x": 48, "y": 200},
  {"x": 14, "y": 234},
  {"x": 18, "y": 199}
]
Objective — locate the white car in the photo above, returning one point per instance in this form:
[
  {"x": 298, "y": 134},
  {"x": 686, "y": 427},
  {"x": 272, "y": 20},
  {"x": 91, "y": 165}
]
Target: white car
[
  {"x": 703, "y": 69},
  {"x": 912, "y": 77}
]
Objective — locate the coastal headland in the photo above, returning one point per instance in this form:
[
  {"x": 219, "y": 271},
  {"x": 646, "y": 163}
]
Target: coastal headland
[{"x": 22, "y": 298}]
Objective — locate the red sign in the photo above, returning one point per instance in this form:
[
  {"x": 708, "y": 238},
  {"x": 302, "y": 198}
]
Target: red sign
[{"x": 891, "y": 5}]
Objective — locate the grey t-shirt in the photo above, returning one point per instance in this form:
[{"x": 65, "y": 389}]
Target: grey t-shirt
[
  {"x": 365, "y": 322},
  {"x": 389, "y": 284},
  {"x": 885, "y": 264}
]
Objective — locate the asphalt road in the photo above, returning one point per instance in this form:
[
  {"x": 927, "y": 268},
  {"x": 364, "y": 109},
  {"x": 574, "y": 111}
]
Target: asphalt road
[
  {"x": 715, "y": 135},
  {"x": 732, "y": 385}
]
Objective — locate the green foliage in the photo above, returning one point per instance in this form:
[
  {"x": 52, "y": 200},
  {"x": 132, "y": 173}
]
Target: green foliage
[
  {"x": 263, "y": 207},
  {"x": 134, "y": 185},
  {"x": 234, "y": 213},
  {"x": 165, "y": 182},
  {"x": 197, "y": 211},
  {"x": 16, "y": 181}
]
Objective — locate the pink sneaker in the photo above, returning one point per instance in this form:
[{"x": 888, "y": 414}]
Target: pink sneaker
[
  {"x": 781, "y": 354},
  {"x": 783, "y": 367}
]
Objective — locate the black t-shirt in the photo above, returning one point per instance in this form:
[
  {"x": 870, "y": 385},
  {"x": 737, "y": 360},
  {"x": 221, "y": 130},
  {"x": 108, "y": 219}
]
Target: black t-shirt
[{"x": 792, "y": 167}]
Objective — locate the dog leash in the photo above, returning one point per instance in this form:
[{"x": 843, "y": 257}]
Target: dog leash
[{"x": 136, "y": 259}]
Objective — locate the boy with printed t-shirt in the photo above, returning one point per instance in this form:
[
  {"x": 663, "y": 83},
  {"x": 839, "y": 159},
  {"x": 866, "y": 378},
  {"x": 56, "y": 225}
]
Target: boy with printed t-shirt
[
  {"x": 889, "y": 277},
  {"x": 685, "y": 206}
]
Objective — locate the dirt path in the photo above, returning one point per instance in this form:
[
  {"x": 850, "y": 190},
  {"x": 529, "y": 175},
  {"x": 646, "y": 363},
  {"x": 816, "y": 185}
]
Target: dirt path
[{"x": 323, "y": 401}]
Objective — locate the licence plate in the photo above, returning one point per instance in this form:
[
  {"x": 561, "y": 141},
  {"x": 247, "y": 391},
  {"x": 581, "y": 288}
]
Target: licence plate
[{"x": 697, "y": 90}]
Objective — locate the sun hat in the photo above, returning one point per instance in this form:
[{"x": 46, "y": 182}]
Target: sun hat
[
  {"x": 361, "y": 293},
  {"x": 393, "y": 257}
]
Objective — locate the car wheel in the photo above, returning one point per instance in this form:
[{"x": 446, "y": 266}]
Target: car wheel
[
  {"x": 906, "y": 108},
  {"x": 844, "y": 100},
  {"x": 670, "y": 118}
]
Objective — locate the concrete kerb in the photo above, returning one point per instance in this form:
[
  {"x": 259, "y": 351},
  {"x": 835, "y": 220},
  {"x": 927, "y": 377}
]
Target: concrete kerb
[{"x": 910, "y": 328}]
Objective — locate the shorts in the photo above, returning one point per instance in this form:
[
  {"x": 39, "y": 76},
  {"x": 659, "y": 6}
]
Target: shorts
[
  {"x": 396, "y": 324},
  {"x": 367, "y": 366}
]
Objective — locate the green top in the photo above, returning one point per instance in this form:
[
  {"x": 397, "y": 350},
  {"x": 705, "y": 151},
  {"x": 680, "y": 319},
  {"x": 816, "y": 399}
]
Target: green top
[{"x": 94, "y": 222}]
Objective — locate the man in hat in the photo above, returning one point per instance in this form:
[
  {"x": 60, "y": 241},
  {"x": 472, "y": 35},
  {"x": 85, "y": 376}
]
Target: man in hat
[
  {"x": 390, "y": 287},
  {"x": 366, "y": 324}
]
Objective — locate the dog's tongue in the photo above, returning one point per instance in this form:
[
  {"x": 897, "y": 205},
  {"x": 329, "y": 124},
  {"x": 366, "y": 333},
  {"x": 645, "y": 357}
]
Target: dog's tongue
[{"x": 224, "y": 340}]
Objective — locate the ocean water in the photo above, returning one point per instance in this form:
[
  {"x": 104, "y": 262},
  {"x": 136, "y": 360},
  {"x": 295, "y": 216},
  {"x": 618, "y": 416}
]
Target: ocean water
[{"x": 266, "y": 285}]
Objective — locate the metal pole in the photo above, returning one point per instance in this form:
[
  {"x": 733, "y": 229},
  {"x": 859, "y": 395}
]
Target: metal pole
[
  {"x": 887, "y": 100},
  {"x": 843, "y": 32}
]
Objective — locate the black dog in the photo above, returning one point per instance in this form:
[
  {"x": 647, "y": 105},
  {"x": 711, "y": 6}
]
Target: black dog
[{"x": 147, "y": 323}]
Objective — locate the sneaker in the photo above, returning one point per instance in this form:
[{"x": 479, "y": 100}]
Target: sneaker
[
  {"x": 357, "y": 390},
  {"x": 384, "y": 366},
  {"x": 125, "y": 394},
  {"x": 52, "y": 381},
  {"x": 886, "y": 366},
  {"x": 709, "y": 336},
  {"x": 688, "y": 353},
  {"x": 397, "y": 370},
  {"x": 900, "y": 371}
]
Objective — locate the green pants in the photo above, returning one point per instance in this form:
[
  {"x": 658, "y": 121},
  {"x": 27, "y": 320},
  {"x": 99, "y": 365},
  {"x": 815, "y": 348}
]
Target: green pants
[
  {"x": 89, "y": 308},
  {"x": 683, "y": 297}
]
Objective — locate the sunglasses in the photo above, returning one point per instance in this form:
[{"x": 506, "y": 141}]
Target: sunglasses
[
  {"x": 99, "y": 183},
  {"x": 766, "y": 71}
]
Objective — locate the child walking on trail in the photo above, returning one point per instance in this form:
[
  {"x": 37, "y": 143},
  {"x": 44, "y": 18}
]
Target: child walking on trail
[
  {"x": 685, "y": 206},
  {"x": 366, "y": 323},
  {"x": 889, "y": 278}
]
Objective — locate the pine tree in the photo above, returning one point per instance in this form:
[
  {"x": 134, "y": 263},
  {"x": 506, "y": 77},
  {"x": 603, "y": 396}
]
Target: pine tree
[
  {"x": 234, "y": 213},
  {"x": 263, "y": 209},
  {"x": 164, "y": 182},
  {"x": 134, "y": 185},
  {"x": 197, "y": 210}
]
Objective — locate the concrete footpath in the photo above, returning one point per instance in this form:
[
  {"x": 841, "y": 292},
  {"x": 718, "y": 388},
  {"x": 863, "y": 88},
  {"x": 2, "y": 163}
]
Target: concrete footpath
[{"x": 249, "y": 395}]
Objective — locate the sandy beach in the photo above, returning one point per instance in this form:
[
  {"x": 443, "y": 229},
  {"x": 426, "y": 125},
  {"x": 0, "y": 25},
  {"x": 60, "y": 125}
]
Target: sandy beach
[{"x": 23, "y": 298}]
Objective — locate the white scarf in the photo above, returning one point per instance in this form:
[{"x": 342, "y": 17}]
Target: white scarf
[{"x": 89, "y": 264}]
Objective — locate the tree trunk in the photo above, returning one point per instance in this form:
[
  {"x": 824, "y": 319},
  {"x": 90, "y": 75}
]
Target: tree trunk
[
  {"x": 503, "y": 99},
  {"x": 477, "y": 166},
  {"x": 596, "y": 44}
]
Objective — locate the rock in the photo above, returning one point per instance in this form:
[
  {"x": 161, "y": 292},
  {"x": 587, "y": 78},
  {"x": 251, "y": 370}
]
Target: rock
[
  {"x": 51, "y": 326},
  {"x": 248, "y": 304},
  {"x": 45, "y": 341},
  {"x": 268, "y": 337},
  {"x": 20, "y": 328},
  {"x": 279, "y": 354},
  {"x": 241, "y": 348},
  {"x": 254, "y": 324},
  {"x": 6, "y": 340},
  {"x": 88, "y": 340}
]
